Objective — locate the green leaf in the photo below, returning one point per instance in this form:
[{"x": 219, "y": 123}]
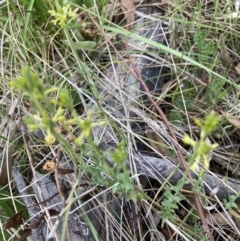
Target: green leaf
[
  {"x": 64, "y": 99},
  {"x": 120, "y": 154},
  {"x": 211, "y": 122},
  {"x": 29, "y": 83},
  {"x": 188, "y": 140},
  {"x": 85, "y": 45},
  {"x": 175, "y": 117}
]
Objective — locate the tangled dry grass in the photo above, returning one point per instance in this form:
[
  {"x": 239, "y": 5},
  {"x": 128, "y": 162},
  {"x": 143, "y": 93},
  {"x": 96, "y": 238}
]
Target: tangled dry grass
[{"x": 145, "y": 77}]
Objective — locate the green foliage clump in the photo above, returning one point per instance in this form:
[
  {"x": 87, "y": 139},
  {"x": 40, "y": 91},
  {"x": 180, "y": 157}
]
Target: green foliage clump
[
  {"x": 51, "y": 111},
  {"x": 201, "y": 147},
  {"x": 63, "y": 15}
]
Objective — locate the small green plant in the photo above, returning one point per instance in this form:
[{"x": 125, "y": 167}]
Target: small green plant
[
  {"x": 216, "y": 92},
  {"x": 201, "y": 148},
  {"x": 51, "y": 111},
  {"x": 63, "y": 15},
  {"x": 172, "y": 197},
  {"x": 231, "y": 203},
  {"x": 204, "y": 46}
]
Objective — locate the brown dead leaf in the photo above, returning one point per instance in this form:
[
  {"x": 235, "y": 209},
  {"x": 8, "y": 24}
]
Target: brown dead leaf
[
  {"x": 157, "y": 143},
  {"x": 53, "y": 212},
  {"x": 128, "y": 10},
  {"x": 25, "y": 234},
  {"x": 14, "y": 221},
  {"x": 86, "y": 198},
  {"x": 35, "y": 222}
]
